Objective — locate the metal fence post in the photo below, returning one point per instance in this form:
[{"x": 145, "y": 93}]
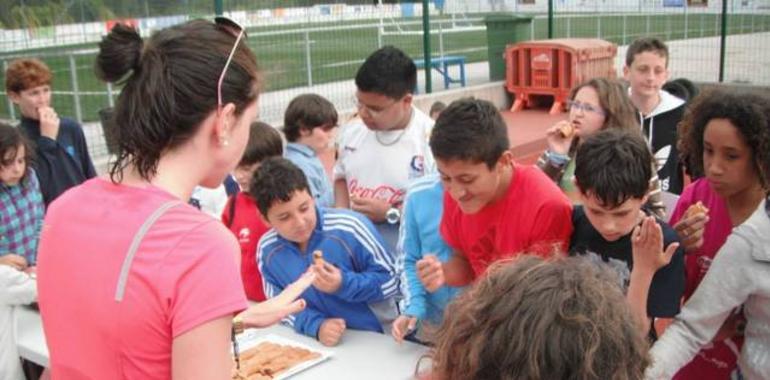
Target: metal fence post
[
  {"x": 8, "y": 98},
  {"x": 550, "y": 19},
  {"x": 722, "y": 43},
  {"x": 75, "y": 89},
  {"x": 624, "y": 29},
  {"x": 685, "y": 21},
  {"x": 599, "y": 27},
  {"x": 426, "y": 45},
  {"x": 441, "y": 39},
  {"x": 110, "y": 100},
  {"x": 218, "y": 7},
  {"x": 308, "y": 62},
  {"x": 648, "y": 25},
  {"x": 702, "y": 28},
  {"x": 532, "y": 30}
]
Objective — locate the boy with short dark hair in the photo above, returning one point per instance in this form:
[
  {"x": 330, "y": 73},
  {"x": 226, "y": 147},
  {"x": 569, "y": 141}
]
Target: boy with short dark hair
[
  {"x": 612, "y": 174},
  {"x": 646, "y": 71},
  {"x": 356, "y": 282},
  {"x": 241, "y": 215},
  {"x": 493, "y": 208},
  {"x": 381, "y": 154},
  {"x": 62, "y": 159},
  {"x": 309, "y": 124}
]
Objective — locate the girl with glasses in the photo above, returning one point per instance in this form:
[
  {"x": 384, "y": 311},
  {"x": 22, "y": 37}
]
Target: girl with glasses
[
  {"x": 594, "y": 105},
  {"x": 135, "y": 283}
]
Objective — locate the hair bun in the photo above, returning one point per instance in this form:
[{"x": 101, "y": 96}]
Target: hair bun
[{"x": 119, "y": 52}]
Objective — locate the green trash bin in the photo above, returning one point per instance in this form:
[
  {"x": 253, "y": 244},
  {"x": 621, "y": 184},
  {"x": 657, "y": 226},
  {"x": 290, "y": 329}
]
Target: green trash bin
[{"x": 504, "y": 29}]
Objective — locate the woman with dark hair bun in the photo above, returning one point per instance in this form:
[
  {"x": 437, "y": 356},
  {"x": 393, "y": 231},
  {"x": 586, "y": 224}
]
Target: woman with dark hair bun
[{"x": 134, "y": 283}]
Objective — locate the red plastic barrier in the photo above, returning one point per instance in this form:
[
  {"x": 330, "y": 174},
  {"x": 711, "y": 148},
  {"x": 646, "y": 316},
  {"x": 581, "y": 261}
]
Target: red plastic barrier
[
  {"x": 109, "y": 24},
  {"x": 553, "y": 67}
]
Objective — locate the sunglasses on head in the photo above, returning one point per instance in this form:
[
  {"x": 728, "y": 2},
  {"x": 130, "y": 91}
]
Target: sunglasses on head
[{"x": 237, "y": 31}]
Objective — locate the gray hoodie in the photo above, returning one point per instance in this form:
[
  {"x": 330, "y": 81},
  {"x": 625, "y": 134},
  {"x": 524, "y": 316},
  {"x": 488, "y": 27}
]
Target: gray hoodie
[{"x": 739, "y": 275}]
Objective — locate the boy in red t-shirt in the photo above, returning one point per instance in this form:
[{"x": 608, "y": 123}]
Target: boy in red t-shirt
[
  {"x": 493, "y": 208},
  {"x": 241, "y": 215}
]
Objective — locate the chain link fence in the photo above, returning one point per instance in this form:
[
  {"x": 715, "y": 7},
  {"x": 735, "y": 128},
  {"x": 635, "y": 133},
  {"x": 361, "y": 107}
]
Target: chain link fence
[{"x": 306, "y": 46}]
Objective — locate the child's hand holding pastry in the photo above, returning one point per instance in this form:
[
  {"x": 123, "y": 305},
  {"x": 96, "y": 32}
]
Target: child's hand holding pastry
[
  {"x": 328, "y": 277},
  {"x": 690, "y": 228}
]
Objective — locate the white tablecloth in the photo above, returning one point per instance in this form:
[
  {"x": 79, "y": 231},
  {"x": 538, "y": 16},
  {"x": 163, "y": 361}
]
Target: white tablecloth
[
  {"x": 29, "y": 336},
  {"x": 360, "y": 355}
]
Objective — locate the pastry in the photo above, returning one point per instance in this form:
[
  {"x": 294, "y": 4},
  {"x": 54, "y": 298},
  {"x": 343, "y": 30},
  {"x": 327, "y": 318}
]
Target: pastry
[
  {"x": 567, "y": 130},
  {"x": 695, "y": 209},
  {"x": 267, "y": 360},
  {"x": 318, "y": 257}
]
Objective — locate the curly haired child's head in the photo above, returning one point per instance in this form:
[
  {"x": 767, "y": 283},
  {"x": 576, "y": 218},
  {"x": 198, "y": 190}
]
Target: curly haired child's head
[
  {"x": 748, "y": 113},
  {"x": 534, "y": 318}
]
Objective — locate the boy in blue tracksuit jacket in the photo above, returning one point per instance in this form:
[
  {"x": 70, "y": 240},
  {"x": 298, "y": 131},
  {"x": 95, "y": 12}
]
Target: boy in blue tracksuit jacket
[
  {"x": 419, "y": 236},
  {"x": 356, "y": 283}
]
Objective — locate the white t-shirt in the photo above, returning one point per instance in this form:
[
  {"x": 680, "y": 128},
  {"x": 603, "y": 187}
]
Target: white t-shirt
[
  {"x": 16, "y": 288},
  {"x": 211, "y": 201},
  {"x": 382, "y": 164}
]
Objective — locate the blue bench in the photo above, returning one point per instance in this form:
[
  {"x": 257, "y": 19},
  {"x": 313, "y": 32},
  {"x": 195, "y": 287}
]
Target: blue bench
[{"x": 441, "y": 64}]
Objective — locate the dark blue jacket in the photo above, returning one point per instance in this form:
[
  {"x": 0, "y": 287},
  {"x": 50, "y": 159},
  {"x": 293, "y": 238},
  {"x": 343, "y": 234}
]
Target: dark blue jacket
[{"x": 61, "y": 163}]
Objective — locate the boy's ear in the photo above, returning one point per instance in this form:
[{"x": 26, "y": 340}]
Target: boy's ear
[
  {"x": 645, "y": 198},
  {"x": 408, "y": 99},
  {"x": 264, "y": 219},
  {"x": 626, "y": 72},
  {"x": 14, "y": 96},
  {"x": 505, "y": 159}
]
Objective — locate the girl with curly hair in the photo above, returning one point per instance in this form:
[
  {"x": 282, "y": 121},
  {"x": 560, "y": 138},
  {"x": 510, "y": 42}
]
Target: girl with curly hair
[
  {"x": 728, "y": 138},
  {"x": 535, "y": 318}
]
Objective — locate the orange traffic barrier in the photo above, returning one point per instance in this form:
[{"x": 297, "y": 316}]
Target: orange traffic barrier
[{"x": 553, "y": 67}]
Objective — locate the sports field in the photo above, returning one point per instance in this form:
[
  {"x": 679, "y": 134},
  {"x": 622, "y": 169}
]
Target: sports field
[{"x": 337, "y": 49}]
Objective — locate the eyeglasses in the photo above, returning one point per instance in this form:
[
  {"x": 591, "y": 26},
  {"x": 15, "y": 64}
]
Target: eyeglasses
[
  {"x": 239, "y": 32},
  {"x": 576, "y": 106},
  {"x": 374, "y": 113}
]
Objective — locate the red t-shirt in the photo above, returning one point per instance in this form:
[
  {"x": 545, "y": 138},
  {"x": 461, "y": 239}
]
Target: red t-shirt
[
  {"x": 248, "y": 228},
  {"x": 534, "y": 216},
  {"x": 184, "y": 274}
]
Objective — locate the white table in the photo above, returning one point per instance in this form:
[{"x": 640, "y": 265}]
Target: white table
[
  {"x": 360, "y": 354},
  {"x": 30, "y": 339}
]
